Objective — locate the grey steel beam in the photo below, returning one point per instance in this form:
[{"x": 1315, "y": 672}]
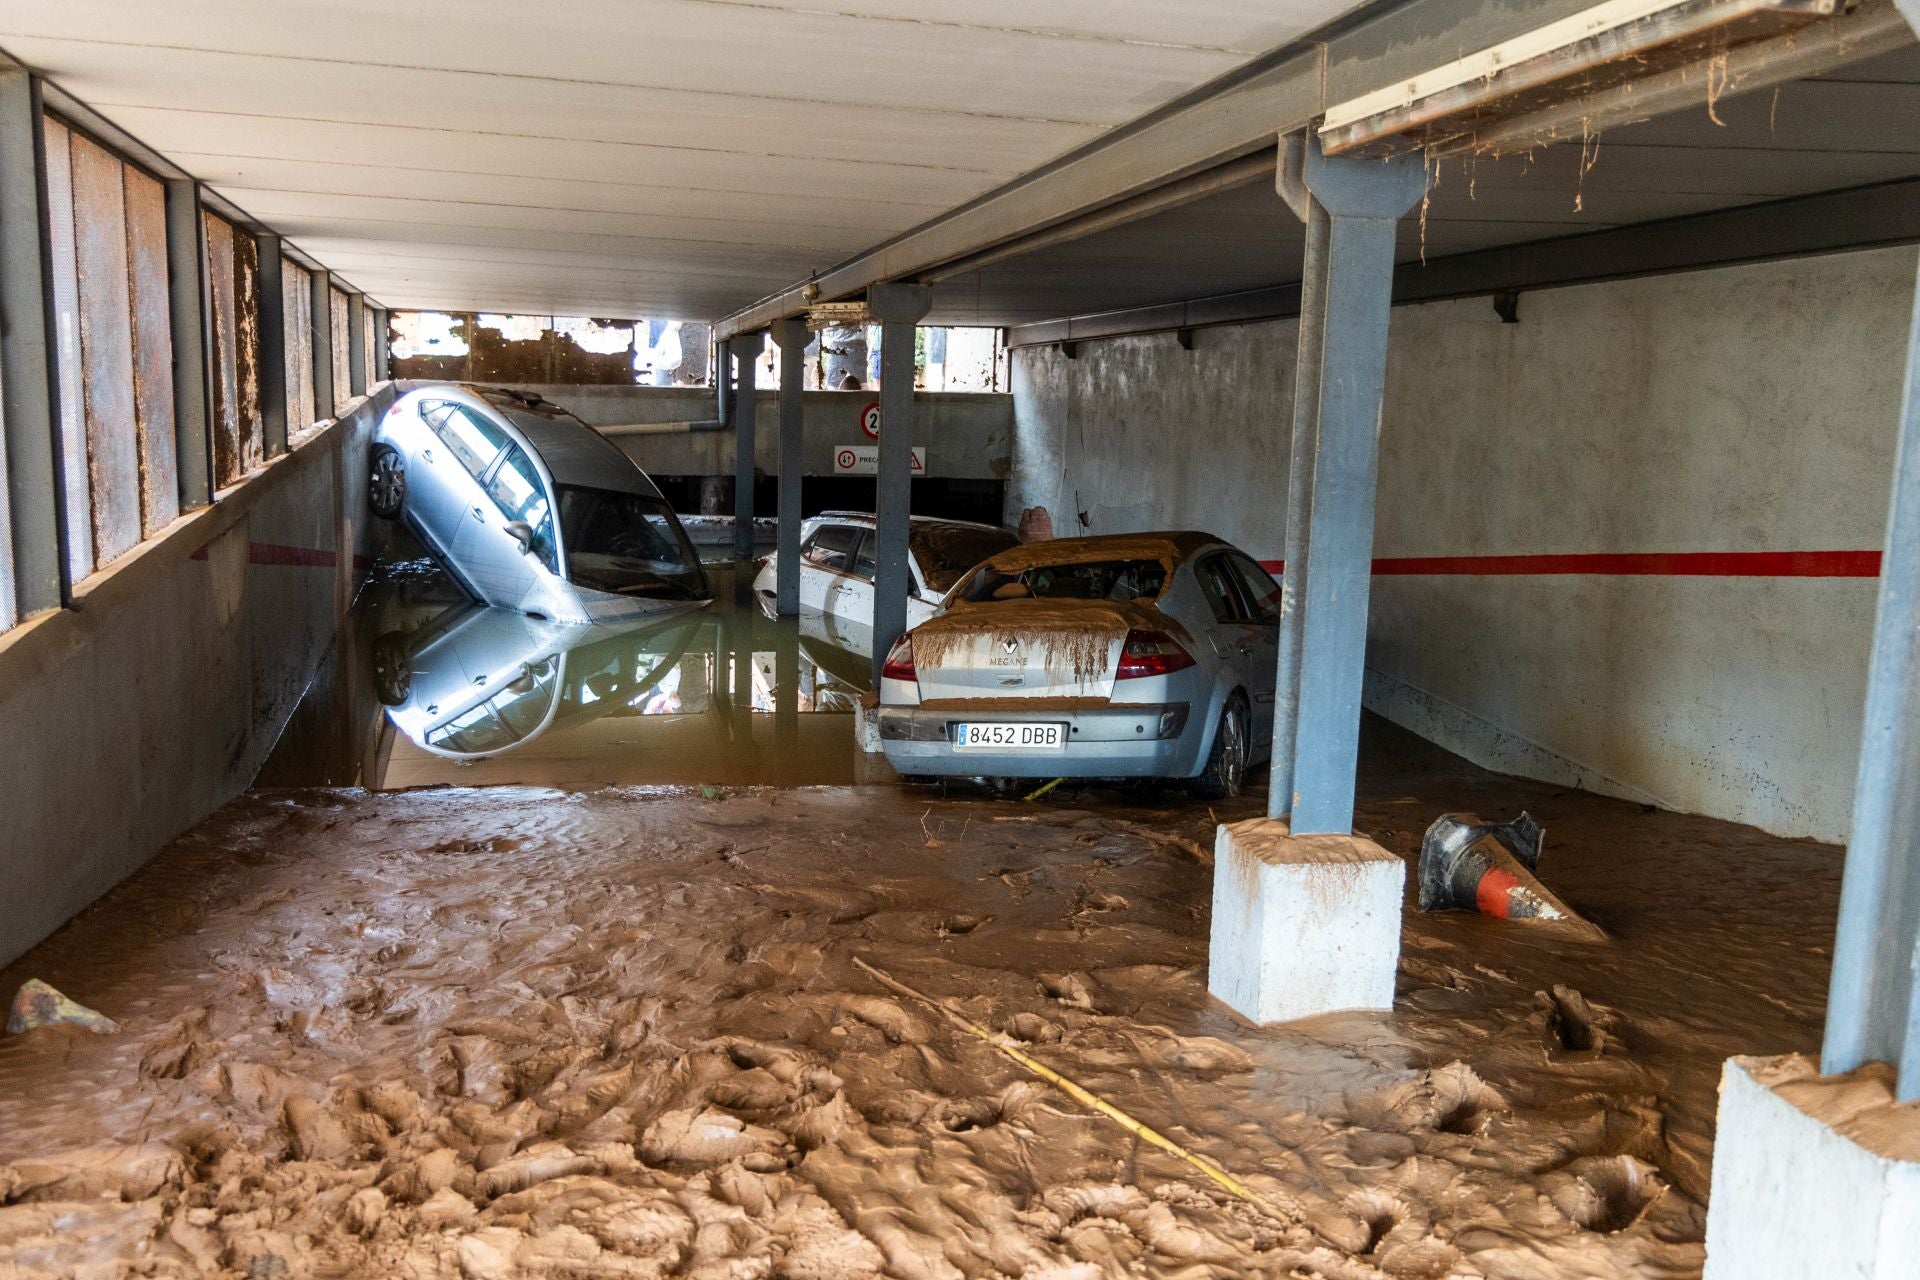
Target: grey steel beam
[
  {"x": 322, "y": 310},
  {"x": 1873, "y": 997},
  {"x": 792, "y": 337},
  {"x": 1883, "y": 213},
  {"x": 1346, "y": 334},
  {"x": 191, "y": 309},
  {"x": 1300, "y": 466},
  {"x": 356, "y": 344},
  {"x": 273, "y": 343},
  {"x": 1238, "y": 114},
  {"x": 746, "y": 408},
  {"x": 898, "y": 308},
  {"x": 29, "y": 385}
]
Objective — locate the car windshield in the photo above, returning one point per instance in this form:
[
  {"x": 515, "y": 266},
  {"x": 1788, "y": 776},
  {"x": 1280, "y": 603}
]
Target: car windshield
[
  {"x": 947, "y": 551},
  {"x": 627, "y": 543},
  {"x": 1096, "y": 580}
]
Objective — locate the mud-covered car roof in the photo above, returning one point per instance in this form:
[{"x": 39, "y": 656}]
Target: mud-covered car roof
[
  {"x": 574, "y": 453},
  {"x": 1169, "y": 548}
]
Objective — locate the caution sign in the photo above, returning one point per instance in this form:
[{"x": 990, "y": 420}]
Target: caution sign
[
  {"x": 864, "y": 460},
  {"x": 870, "y": 420}
]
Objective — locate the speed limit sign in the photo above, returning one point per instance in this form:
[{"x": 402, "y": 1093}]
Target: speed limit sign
[{"x": 870, "y": 420}]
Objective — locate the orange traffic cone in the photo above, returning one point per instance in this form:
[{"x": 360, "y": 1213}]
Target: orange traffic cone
[{"x": 1488, "y": 867}]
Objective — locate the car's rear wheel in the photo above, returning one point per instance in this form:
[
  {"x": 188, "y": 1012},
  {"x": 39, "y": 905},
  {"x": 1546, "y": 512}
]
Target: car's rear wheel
[
  {"x": 392, "y": 669},
  {"x": 387, "y": 482},
  {"x": 1226, "y": 771}
]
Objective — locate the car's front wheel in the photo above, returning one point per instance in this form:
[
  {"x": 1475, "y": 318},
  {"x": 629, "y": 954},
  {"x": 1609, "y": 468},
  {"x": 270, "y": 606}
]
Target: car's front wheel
[
  {"x": 1226, "y": 771},
  {"x": 387, "y": 482}
]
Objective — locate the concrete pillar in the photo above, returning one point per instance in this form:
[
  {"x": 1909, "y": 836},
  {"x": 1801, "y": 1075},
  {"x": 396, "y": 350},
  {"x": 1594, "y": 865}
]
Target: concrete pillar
[
  {"x": 746, "y": 408},
  {"x": 322, "y": 309},
  {"x": 1346, "y": 336},
  {"x": 356, "y": 344},
  {"x": 192, "y": 336},
  {"x": 31, "y": 501},
  {"x": 273, "y": 345},
  {"x": 898, "y": 308},
  {"x": 1302, "y": 925},
  {"x": 1793, "y": 1196},
  {"x": 792, "y": 337}
]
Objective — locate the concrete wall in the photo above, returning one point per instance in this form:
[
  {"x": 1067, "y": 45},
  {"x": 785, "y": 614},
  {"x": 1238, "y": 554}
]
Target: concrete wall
[
  {"x": 1744, "y": 410},
  {"x": 967, "y": 435},
  {"x": 127, "y": 719}
]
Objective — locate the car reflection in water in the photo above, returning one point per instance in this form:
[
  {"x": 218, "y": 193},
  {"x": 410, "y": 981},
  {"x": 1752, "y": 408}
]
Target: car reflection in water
[{"x": 478, "y": 681}]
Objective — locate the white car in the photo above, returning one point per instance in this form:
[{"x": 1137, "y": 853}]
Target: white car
[{"x": 837, "y": 564}]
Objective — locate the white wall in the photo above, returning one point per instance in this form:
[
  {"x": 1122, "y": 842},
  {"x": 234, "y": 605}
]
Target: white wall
[{"x": 1745, "y": 409}]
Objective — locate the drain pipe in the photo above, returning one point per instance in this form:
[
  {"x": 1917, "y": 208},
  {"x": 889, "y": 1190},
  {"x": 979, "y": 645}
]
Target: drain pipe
[{"x": 722, "y": 401}]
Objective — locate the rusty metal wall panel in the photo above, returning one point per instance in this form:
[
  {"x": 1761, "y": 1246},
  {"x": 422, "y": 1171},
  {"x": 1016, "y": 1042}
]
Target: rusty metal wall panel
[
  {"x": 152, "y": 350},
  {"x": 226, "y": 394},
  {"x": 106, "y": 347},
  {"x": 246, "y": 343},
  {"x": 66, "y": 324},
  {"x": 369, "y": 316},
  {"x": 342, "y": 370},
  {"x": 296, "y": 289}
]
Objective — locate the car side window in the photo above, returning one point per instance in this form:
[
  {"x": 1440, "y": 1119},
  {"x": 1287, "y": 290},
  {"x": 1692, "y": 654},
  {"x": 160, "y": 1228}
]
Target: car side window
[
  {"x": 863, "y": 559},
  {"x": 471, "y": 438},
  {"x": 1262, "y": 592},
  {"x": 831, "y": 547},
  {"x": 1221, "y": 586},
  {"x": 516, "y": 490}
]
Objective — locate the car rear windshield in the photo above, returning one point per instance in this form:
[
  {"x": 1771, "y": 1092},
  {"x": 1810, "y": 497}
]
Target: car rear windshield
[
  {"x": 947, "y": 551},
  {"x": 1097, "y": 580},
  {"x": 627, "y": 543}
]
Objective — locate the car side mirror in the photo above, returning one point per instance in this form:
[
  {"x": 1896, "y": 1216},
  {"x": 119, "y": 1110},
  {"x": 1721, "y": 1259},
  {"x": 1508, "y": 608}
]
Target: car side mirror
[{"x": 522, "y": 533}]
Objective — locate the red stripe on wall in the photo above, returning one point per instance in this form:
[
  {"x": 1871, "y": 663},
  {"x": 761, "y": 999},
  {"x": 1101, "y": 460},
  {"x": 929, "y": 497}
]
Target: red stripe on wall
[{"x": 1699, "y": 564}]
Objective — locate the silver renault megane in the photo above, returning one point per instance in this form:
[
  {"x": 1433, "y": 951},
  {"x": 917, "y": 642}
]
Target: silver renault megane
[{"x": 531, "y": 508}]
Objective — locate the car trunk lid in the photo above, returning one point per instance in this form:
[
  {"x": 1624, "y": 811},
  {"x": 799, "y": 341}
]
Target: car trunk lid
[{"x": 1026, "y": 648}]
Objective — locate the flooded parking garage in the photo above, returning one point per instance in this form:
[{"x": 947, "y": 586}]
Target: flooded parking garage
[{"x": 1510, "y": 413}]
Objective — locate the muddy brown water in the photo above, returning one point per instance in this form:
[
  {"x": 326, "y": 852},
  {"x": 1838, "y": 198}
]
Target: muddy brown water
[
  {"x": 556, "y": 1028},
  {"x": 424, "y": 687}
]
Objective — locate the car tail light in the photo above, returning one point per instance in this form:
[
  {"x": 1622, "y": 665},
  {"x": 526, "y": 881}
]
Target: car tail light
[
  {"x": 1151, "y": 653},
  {"x": 899, "y": 663}
]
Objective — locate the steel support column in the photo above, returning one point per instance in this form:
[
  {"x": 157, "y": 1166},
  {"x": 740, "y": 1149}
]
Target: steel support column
[
  {"x": 898, "y": 308},
  {"x": 1291, "y": 182},
  {"x": 746, "y": 407},
  {"x": 1873, "y": 1001},
  {"x": 192, "y": 338},
  {"x": 356, "y": 344},
  {"x": 322, "y": 309},
  {"x": 792, "y": 337},
  {"x": 1363, "y": 201},
  {"x": 34, "y": 477},
  {"x": 273, "y": 345}
]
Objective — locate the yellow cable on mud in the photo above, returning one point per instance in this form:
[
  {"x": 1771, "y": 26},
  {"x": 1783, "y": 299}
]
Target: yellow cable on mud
[{"x": 1286, "y": 1211}]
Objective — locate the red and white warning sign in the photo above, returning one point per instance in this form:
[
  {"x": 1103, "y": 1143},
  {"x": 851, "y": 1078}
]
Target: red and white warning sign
[
  {"x": 870, "y": 420},
  {"x": 864, "y": 460}
]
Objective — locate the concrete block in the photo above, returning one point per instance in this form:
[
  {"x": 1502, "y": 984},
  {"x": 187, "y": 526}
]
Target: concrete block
[
  {"x": 1303, "y": 924},
  {"x": 1813, "y": 1176}
]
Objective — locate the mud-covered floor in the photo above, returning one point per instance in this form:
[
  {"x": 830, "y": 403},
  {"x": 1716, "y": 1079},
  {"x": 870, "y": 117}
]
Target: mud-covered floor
[{"x": 511, "y": 1032}]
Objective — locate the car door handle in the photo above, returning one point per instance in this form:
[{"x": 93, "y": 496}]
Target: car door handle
[
  {"x": 480, "y": 515},
  {"x": 427, "y": 454}
]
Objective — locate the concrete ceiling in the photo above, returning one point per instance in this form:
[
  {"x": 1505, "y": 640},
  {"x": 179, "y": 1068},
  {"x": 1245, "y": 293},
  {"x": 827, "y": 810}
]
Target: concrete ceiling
[
  {"x": 623, "y": 157},
  {"x": 1848, "y": 128}
]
